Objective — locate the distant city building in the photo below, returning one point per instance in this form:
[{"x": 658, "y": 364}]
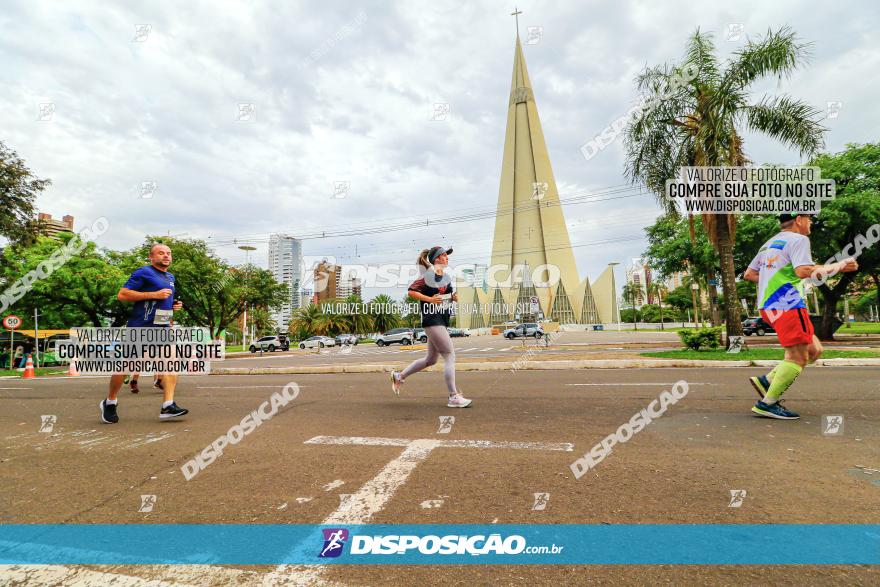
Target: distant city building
[
  {"x": 285, "y": 263},
  {"x": 347, "y": 284},
  {"x": 49, "y": 226},
  {"x": 675, "y": 280},
  {"x": 333, "y": 282},
  {"x": 639, "y": 274},
  {"x": 306, "y": 298},
  {"x": 325, "y": 282}
]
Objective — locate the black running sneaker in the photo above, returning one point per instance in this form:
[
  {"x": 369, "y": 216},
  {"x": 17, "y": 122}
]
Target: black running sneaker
[
  {"x": 172, "y": 411},
  {"x": 158, "y": 384},
  {"x": 133, "y": 386},
  {"x": 108, "y": 412}
]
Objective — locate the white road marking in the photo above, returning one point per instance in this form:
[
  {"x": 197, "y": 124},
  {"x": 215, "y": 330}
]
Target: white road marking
[
  {"x": 334, "y": 484},
  {"x": 378, "y": 491},
  {"x": 304, "y": 499},
  {"x": 486, "y": 349},
  {"x": 80, "y": 577},
  {"x": 243, "y": 386},
  {"x": 631, "y": 384},
  {"x": 470, "y": 349},
  {"x": 16, "y": 387}
]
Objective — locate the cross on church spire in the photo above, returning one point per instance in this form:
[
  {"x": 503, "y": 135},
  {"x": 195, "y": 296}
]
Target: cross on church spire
[{"x": 516, "y": 14}]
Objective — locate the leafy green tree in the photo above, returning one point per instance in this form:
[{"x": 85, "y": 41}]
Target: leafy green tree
[
  {"x": 262, "y": 321},
  {"x": 670, "y": 249},
  {"x": 213, "y": 293},
  {"x": 79, "y": 292},
  {"x": 698, "y": 110},
  {"x": 631, "y": 292},
  {"x": 845, "y": 221},
  {"x": 18, "y": 191},
  {"x": 839, "y": 228},
  {"x": 680, "y": 299}
]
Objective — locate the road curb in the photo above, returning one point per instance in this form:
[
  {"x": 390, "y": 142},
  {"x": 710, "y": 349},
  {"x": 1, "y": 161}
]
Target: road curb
[{"x": 539, "y": 366}]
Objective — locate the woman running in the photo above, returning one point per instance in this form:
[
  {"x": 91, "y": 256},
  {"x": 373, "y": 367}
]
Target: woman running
[{"x": 434, "y": 291}]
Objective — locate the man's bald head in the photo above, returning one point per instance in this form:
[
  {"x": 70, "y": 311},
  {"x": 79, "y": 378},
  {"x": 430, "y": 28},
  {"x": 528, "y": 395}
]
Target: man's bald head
[{"x": 160, "y": 256}]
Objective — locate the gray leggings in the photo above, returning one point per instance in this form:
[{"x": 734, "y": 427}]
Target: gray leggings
[{"x": 439, "y": 344}]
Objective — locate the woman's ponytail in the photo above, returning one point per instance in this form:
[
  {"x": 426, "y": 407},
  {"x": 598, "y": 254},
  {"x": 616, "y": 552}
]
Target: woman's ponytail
[{"x": 423, "y": 259}]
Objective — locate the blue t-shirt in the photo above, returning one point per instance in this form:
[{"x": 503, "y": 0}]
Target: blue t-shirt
[{"x": 147, "y": 279}]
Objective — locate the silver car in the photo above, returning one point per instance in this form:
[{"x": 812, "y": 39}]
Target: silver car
[
  {"x": 403, "y": 336},
  {"x": 524, "y": 330},
  {"x": 317, "y": 341}
]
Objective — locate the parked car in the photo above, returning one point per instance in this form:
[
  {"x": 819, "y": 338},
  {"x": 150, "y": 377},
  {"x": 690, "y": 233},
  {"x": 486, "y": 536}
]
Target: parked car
[
  {"x": 271, "y": 344},
  {"x": 420, "y": 335},
  {"x": 524, "y": 330},
  {"x": 343, "y": 339},
  {"x": 317, "y": 341},
  {"x": 756, "y": 326},
  {"x": 455, "y": 332},
  {"x": 398, "y": 335}
]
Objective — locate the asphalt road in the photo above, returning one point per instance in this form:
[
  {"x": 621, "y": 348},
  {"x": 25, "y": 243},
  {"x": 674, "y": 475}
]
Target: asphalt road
[{"x": 680, "y": 469}]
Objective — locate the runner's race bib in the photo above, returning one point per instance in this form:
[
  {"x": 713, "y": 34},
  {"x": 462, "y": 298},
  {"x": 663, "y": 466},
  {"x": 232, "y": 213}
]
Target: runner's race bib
[
  {"x": 163, "y": 317},
  {"x": 446, "y": 303}
]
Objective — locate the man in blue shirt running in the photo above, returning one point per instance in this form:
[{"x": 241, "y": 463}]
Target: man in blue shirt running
[{"x": 152, "y": 289}]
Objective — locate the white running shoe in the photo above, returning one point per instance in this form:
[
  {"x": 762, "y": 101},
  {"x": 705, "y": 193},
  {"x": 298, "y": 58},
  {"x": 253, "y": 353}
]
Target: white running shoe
[
  {"x": 458, "y": 401},
  {"x": 395, "y": 383}
]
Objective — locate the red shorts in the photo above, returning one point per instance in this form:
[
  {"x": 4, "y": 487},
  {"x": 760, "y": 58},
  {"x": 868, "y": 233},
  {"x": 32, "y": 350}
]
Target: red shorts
[{"x": 792, "y": 326}]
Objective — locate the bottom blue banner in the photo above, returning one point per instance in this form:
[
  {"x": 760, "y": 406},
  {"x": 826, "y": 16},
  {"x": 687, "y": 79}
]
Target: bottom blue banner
[{"x": 422, "y": 544}]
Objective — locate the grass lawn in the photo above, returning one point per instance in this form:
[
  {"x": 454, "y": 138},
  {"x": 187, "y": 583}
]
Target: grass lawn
[
  {"x": 860, "y": 328},
  {"x": 756, "y": 354},
  {"x": 59, "y": 369}
]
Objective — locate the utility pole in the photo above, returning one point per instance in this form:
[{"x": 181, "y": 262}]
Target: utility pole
[
  {"x": 36, "y": 338},
  {"x": 247, "y": 255}
]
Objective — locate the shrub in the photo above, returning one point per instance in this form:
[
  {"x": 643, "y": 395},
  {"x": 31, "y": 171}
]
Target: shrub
[{"x": 701, "y": 337}]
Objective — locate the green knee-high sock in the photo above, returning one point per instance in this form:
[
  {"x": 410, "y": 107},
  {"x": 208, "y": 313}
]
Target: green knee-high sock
[
  {"x": 786, "y": 373},
  {"x": 772, "y": 373}
]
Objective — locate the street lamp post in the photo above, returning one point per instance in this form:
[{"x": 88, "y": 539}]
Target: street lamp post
[
  {"x": 247, "y": 256},
  {"x": 614, "y": 303}
]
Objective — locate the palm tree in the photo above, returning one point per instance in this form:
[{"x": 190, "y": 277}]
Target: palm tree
[
  {"x": 358, "y": 322},
  {"x": 304, "y": 322},
  {"x": 411, "y": 319},
  {"x": 330, "y": 322},
  {"x": 631, "y": 292},
  {"x": 383, "y": 317},
  {"x": 699, "y": 122},
  {"x": 657, "y": 289}
]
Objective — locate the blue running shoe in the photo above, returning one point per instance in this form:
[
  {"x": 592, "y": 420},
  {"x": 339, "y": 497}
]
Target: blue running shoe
[
  {"x": 761, "y": 385},
  {"x": 776, "y": 410}
]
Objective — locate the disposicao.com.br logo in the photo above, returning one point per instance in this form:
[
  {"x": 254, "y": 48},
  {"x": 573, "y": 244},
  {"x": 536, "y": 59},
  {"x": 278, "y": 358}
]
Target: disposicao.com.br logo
[{"x": 410, "y": 544}]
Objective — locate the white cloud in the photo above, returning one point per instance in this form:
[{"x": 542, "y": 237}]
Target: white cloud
[{"x": 164, "y": 109}]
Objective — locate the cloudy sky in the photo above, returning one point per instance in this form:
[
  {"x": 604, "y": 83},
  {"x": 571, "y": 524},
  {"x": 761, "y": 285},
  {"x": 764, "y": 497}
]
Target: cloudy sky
[{"x": 247, "y": 114}]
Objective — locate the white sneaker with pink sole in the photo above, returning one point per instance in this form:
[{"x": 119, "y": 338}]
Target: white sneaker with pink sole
[{"x": 458, "y": 401}]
